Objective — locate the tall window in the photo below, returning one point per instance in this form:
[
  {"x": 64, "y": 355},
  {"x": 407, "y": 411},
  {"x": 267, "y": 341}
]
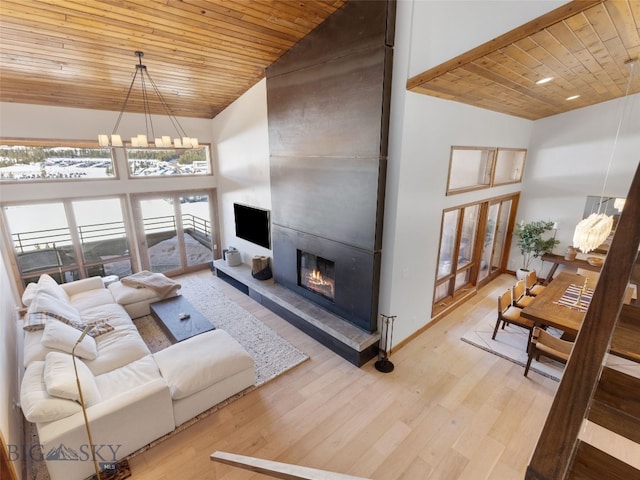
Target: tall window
[
  {"x": 69, "y": 239},
  {"x": 472, "y": 249},
  {"x": 165, "y": 161}
]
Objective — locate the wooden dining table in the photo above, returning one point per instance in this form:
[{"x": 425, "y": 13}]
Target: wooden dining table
[{"x": 545, "y": 310}]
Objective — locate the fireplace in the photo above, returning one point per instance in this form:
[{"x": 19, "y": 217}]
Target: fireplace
[
  {"x": 340, "y": 278},
  {"x": 316, "y": 274}
]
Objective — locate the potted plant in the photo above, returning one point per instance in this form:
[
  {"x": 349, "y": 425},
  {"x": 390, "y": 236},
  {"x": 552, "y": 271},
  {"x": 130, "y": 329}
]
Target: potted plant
[{"x": 531, "y": 243}]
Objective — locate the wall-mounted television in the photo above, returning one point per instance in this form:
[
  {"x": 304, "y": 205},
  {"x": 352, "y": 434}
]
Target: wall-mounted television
[{"x": 252, "y": 224}]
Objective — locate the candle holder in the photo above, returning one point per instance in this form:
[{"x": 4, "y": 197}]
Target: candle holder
[{"x": 383, "y": 364}]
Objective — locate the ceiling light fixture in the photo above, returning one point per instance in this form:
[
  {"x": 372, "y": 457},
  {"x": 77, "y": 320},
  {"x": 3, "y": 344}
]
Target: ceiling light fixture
[
  {"x": 182, "y": 140},
  {"x": 592, "y": 231},
  {"x": 544, "y": 80},
  {"x": 572, "y": 97}
]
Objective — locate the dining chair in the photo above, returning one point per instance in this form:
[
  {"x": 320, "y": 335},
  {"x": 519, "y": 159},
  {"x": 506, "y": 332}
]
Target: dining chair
[
  {"x": 543, "y": 343},
  {"x": 533, "y": 285},
  {"x": 508, "y": 314},
  {"x": 520, "y": 297}
]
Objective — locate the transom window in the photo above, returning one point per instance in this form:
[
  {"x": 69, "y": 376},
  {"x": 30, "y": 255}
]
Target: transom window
[{"x": 474, "y": 168}]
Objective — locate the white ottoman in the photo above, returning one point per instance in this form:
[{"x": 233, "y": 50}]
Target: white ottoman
[
  {"x": 134, "y": 300},
  {"x": 204, "y": 370}
]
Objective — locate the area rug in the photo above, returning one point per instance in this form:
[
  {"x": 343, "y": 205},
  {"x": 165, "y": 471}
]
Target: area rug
[
  {"x": 273, "y": 355},
  {"x": 511, "y": 344}
]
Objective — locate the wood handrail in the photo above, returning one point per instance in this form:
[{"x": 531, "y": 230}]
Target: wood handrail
[
  {"x": 280, "y": 470},
  {"x": 557, "y": 444}
]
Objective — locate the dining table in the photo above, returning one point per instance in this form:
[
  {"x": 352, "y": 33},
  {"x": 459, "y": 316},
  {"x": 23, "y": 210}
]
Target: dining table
[{"x": 558, "y": 307}]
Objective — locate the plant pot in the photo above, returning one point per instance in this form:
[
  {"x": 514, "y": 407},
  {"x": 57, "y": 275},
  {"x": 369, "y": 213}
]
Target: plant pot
[{"x": 521, "y": 273}]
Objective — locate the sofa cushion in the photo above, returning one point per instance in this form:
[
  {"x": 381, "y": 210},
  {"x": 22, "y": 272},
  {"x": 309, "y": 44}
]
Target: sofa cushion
[
  {"x": 60, "y": 336},
  {"x": 90, "y": 299},
  {"x": 47, "y": 284},
  {"x": 48, "y": 304},
  {"x": 117, "y": 348},
  {"x": 60, "y": 379},
  {"x": 201, "y": 361},
  {"x": 37, "y": 405},
  {"x": 128, "y": 377}
]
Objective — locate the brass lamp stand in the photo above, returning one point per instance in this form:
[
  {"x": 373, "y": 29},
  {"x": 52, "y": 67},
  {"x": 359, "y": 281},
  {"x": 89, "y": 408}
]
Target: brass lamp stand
[{"x": 86, "y": 330}]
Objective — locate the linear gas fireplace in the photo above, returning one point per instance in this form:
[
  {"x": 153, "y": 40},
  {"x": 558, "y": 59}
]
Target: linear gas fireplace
[
  {"x": 338, "y": 277},
  {"x": 316, "y": 274}
]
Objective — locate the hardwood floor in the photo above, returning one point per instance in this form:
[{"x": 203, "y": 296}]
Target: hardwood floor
[{"x": 448, "y": 411}]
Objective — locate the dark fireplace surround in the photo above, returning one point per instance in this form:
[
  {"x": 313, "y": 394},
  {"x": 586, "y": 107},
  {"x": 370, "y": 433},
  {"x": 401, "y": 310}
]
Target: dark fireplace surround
[
  {"x": 355, "y": 274},
  {"x": 328, "y": 102}
]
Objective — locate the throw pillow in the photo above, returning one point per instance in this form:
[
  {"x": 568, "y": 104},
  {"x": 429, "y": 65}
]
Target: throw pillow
[
  {"x": 63, "y": 337},
  {"x": 60, "y": 379},
  {"x": 29, "y": 293},
  {"x": 47, "y": 284},
  {"x": 36, "y": 404},
  {"x": 45, "y": 302}
]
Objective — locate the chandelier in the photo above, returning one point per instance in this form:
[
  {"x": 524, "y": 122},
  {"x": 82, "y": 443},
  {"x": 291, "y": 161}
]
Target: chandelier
[
  {"x": 142, "y": 140},
  {"x": 592, "y": 231}
]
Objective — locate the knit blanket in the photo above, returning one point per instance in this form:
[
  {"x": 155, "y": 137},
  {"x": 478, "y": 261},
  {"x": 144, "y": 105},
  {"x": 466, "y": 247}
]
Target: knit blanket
[{"x": 162, "y": 285}]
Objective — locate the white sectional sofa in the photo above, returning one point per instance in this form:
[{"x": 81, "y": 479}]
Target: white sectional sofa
[{"x": 132, "y": 397}]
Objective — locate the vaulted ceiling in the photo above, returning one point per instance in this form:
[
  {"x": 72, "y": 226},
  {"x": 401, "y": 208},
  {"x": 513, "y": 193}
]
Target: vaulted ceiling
[
  {"x": 588, "y": 48},
  {"x": 203, "y": 54}
]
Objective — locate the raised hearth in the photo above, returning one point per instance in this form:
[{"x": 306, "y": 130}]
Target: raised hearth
[{"x": 342, "y": 337}]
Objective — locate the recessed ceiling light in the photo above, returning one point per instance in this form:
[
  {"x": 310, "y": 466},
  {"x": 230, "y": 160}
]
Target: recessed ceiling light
[
  {"x": 544, "y": 80},
  {"x": 572, "y": 97}
]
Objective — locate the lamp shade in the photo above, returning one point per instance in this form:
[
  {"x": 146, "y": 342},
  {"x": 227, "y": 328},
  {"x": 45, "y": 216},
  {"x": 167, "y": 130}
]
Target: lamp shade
[{"x": 592, "y": 231}]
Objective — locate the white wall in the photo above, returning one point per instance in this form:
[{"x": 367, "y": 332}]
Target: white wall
[
  {"x": 569, "y": 157},
  {"x": 241, "y": 149},
  {"x": 10, "y": 416}
]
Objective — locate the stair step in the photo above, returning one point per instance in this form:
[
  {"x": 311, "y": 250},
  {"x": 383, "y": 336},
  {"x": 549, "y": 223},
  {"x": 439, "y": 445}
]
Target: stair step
[
  {"x": 590, "y": 463},
  {"x": 616, "y": 404}
]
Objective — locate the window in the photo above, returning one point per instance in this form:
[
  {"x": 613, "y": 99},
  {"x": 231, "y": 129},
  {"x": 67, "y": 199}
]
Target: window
[
  {"x": 472, "y": 249},
  {"x": 54, "y": 162},
  {"x": 69, "y": 239},
  {"x": 165, "y": 161},
  {"x": 473, "y": 168}
]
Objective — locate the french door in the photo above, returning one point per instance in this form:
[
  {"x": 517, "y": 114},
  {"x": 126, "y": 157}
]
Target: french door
[
  {"x": 472, "y": 249},
  {"x": 175, "y": 231}
]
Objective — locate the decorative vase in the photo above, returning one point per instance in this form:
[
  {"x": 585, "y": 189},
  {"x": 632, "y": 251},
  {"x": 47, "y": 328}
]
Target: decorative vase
[
  {"x": 570, "y": 254},
  {"x": 521, "y": 273}
]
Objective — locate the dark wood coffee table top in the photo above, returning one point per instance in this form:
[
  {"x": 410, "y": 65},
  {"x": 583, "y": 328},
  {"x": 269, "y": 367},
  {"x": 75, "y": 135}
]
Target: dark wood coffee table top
[{"x": 167, "y": 313}]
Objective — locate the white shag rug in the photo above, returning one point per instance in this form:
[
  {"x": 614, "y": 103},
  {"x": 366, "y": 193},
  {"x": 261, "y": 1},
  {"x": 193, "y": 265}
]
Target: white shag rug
[{"x": 272, "y": 354}]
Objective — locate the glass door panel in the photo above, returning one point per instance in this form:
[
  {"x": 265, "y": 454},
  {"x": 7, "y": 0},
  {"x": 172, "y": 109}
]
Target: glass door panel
[
  {"x": 489, "y": 240},
  {"x": 42, "y": 241},
  {"x": 195, "y": 212},
  {"x": 177, "y": 232},
  {"x": 501, "y": 235},
  {"x": 448, "y": 242},
  {"x": 103, "y": 237}
]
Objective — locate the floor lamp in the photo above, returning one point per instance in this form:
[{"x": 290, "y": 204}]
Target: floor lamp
[
  {"x": 86, "y": 330},
  {"x": 386, "y": 341}
]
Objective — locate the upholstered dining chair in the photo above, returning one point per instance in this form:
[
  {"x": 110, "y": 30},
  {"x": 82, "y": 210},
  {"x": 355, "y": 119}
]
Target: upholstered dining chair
[
  {"x": 543, "y": 343},
  {"x": 533, "y": 286},
  {"x": 520, "y": 297},
  {"x": 508, "y": 314}
]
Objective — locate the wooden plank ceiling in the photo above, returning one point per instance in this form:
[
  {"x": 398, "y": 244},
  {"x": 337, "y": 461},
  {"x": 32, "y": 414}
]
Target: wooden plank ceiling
[
  {"x": 585, "y": 46},
  {"x": 202, "y": 54}
]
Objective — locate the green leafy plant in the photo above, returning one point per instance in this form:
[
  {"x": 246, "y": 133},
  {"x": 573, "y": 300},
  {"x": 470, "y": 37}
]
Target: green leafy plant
[{"x": 531, "y": 243}]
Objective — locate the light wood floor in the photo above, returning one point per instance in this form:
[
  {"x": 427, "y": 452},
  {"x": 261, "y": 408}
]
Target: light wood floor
[{"x": 448, "y": 411}]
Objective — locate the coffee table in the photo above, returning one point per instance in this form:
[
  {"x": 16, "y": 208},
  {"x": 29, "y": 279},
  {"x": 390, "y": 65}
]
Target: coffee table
[{"x": 167, "y": 313}]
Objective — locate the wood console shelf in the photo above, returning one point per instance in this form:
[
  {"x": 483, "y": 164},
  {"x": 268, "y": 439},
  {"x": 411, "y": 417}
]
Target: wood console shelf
[
  {"x": 344, "y": 338},
  {"x": 560, "y": 260}
]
